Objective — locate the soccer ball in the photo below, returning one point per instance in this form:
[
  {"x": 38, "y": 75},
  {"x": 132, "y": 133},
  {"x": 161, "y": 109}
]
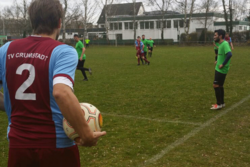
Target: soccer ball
[{"x": 92, "y": 116}]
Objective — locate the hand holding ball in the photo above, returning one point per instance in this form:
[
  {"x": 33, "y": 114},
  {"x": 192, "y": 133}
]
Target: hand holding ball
[{"x": 93, "y": 118}]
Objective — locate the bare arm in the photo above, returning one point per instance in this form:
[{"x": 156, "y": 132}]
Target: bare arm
[
  {"x": 71, "y": 110},
  {"x": 2, "y": 102},
  {"x": 232, "y": 46},
  {"x": 83, "y": 51}
]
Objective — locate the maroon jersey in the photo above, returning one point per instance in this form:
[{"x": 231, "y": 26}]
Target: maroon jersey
[{"x": 32, "y": 65}]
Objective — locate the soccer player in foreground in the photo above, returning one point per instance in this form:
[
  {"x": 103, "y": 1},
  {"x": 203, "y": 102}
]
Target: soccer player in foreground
[
  {"x": 151, "y": 44},
  {"x": 37, "y": 74},
  {"x": 81, "y": 57},
  {"x": 139, "y": 50},
  {"x": 221, "y": 68}
]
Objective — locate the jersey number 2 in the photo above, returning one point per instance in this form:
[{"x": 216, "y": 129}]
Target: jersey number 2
[{"x": 20, "y": 95}]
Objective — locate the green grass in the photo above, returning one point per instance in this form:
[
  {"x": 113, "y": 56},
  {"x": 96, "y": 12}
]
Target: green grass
[{"x": 177, "y": 86}]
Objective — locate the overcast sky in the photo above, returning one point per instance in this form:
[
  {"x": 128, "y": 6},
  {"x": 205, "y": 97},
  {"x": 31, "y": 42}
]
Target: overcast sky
[{"x": 4, "y": 3}]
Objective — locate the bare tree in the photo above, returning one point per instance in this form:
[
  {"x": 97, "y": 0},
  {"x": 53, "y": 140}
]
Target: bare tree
[
  {"x": 16, "y": 18},
  {"x": 240, "y": 9},
  {"x": 89, "y": 13},
  {"x": 134, "y": 20},
  {"x": 225, "y": 14},
  {"x": 106, "y": 5},
  {"x": 187, "y": 8},
  {"x": 163, "y": 6},
  {"x": 207, "y": 6},
  {"x": 65, "y": 3}
]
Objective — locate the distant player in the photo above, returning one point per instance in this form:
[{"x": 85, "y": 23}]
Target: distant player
[
  {"x": 87, "y": 41},
  {"x": 221, "y": 68},
  {"x": 216, "y": 47},
  {"x": 140, "y": 50},
  {"x": 151, "y": 44},
  {"x": 81, "y": 57},
  {"x": 37, "y": 74},
  {"x": 229, "y": 40},
  {"x": 146, "y": 44}
]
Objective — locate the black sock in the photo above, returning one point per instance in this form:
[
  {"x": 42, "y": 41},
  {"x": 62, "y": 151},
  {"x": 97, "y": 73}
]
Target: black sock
[
  {"x": 142, "y": 61},
  {"x": 218, "y": 95},
  {"x": 222, "y": 95}
]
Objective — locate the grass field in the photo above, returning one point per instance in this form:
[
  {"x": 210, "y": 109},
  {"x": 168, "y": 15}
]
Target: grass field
[{"x": 164, "y": 106}]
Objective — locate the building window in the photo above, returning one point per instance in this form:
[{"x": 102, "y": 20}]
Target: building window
[
  {"x": 131, "y": 26},
  {"x": 175, "y": 23},
  {"x": 147, "y": 25},
  {"x": 111, "y": 26},
  {"x": 169, "y": 24},
  {"x": 245, "y": 27},
  {"x": 102, "y": 26},
  {"x": 120, "y": 26},
  {"x": 142, "y": 25},
  {"x": 117, "y": 26},
  {"x": 164, "y": 24},
  {"x": 126, "y": 26},
  {"x": 158, "y": 24},
  {"x": 181, "y": 23},
  {"x": 152, "y": 25},
  {"x": 240, "y": 27}
]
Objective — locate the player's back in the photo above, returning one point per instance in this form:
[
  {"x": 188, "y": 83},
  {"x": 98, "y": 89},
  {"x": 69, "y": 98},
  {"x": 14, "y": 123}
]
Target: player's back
[{"x": 28, "y": 68}]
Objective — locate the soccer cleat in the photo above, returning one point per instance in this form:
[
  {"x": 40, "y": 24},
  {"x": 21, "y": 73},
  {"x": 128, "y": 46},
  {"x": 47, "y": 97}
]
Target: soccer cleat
[
  {"x": 90, "y": 71},
  {"x": 148, "y": 63},
  {"x": 85, "y": 79},
  {"x": 223, "y": 105},
  {"x": 216, "y": 107},
  {"x": 138, "y": 64}
]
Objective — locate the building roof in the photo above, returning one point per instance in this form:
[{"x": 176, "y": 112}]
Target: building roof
[
  {"x": 158, "y": 12},
  {"x": 166, "y": 16},
  {"x": 81, "y": 31},
  {"x": 223, "y": 23},
  {"x": 125, "y": 9}
]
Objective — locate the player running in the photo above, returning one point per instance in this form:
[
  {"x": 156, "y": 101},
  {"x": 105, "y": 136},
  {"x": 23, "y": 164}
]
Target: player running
[
  {"x": 229, "y": 40},
  {"x": 37, "y": 75},
  {"x": 139, "y": 50},
  {"x": 81, "y": 57},
  {"x": 221, "y": 68},
  {"x": 151, "y": 44},
  {"x": 216, "y": 47}
]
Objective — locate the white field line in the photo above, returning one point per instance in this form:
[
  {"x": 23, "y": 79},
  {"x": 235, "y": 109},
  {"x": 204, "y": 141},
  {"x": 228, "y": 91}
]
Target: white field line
[
  {"x": 193, "y": 133},
  {"x": 149, "y": 119}
]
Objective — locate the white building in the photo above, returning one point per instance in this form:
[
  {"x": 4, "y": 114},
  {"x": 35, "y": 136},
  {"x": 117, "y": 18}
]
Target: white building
[{"x": 121, "y": 18}]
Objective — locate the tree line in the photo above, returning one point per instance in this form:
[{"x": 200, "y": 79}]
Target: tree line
[{"x": 83, "y": 14}]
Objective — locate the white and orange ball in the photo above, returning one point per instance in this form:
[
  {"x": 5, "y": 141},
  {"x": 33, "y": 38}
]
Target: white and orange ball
[{"x": 92, "y": 116}]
